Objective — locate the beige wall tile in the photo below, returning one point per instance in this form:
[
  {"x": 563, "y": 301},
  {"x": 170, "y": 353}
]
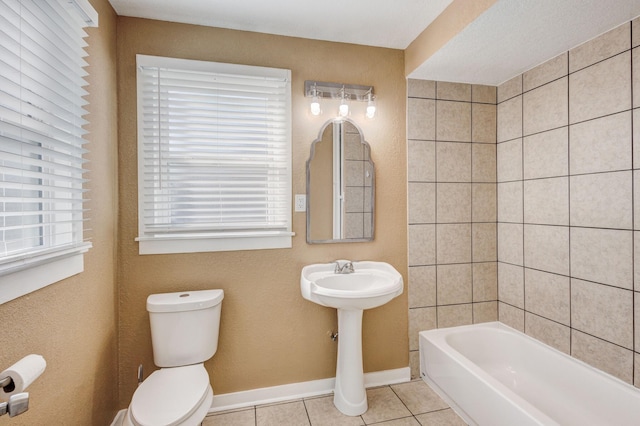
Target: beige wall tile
[
  {"x": 420, "y": 319},
  {"x": 602, "y": 200},
  {"x": 602, "y": 47},
  {"x": 484, "y": 241},
  {"x": 509, "y": 160},
  {"x": 485, "y": 282},
  {"x": 635, "y": 32},
  {"x": 510, "y": 119},
  {"x": 453, "y": 91},
  {"x": 483, "y": 163},
  {"x": 636, "y": 260},
  {"x": 636, "y": 369},
  {"x": 510, "y": 243},
  {"x": 510, "y": 88},
  {"x": 454, "y": 243},
  {"x": 422, "y": 245},
  {"x": 455, "y": 315},
  {"x": 546, "y": 201},
  {"x": 510, "y": 202},
  {"x": 453, "y": 162},
  {"x": 546, "y": 107},
  {"x": 544, "y": 73},
  {"x": 635, "y": 75},
  {"x": 636, "y": 135},
  {"x": 484, "y": 94},
  {"x": 454, "y": 202},
  {"x": 548, "y": 295},
  {"x": 421, "y": 201},
  {"x": 421, "y": 88},
  {"x": 601, "y": 145},
  {"x": 484, "y": 202},
  {"x": 453, "y": 121},
  {"x": 483, "y": 123},
  {"x": 601, "y": 89},
  {"x": 511, "y": 284},
  {"x": 414, "y": 364},
  {"x": 546, "y": 154},
  {"x": 454, "y": 284},
  {"x": 547, "y": 248},
  {"x": 602, "y": 255},
  {"x": 636, "y": 316},
  {"x": 549, "y": 332},
  {"x": 606, "y": 356},
  {"x": 485, "y": 312},
  {"x": 513, "y": 317},
  {"x": 602, "y": 311},
  {"x": 421, "y": 119},
  {"x": 422, "y": 286},
  {"x": 421, "y": 161},
  {"x": 353, "y": 225}
]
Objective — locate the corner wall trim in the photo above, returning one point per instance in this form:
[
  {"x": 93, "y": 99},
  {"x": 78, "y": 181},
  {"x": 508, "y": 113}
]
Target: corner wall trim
[{"x": 229, "y": 401}]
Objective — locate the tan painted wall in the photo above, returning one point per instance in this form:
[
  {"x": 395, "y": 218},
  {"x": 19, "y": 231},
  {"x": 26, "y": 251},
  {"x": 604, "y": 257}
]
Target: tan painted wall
[
  {"x": 73, "y": 323},
  {"x": 269, "y": 334}
]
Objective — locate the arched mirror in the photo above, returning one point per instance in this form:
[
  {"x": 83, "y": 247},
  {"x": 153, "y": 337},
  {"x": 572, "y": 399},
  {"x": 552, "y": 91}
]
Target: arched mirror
[{"x": 340, "y": 185}]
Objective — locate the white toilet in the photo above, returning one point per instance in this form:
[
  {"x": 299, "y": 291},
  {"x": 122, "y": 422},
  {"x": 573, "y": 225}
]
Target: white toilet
[{"x": 184, "y": 334}]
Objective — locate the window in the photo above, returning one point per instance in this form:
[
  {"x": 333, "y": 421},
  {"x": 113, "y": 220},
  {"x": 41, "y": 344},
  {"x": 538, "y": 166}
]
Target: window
[
  {"x": 41, "y": 138},
  {"x": 214, "y": 156}
]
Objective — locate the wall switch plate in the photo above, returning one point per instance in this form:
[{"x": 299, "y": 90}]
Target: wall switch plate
[{"x": 301, "y": 202}]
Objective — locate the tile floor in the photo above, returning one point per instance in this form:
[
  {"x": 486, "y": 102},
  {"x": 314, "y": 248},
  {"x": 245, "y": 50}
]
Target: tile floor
[{"x": 405, "y": 404}]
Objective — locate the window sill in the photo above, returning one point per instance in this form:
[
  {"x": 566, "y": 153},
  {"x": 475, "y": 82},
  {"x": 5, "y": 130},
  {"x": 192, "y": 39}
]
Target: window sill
[
  {"x": 198, "y": 244},
  {"x": 30, "y": 279}
]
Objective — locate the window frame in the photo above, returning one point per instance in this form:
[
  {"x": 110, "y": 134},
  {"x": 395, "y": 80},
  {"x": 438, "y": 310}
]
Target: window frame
[
  {"x": 193, "y": 242},
  {"x": 35, "y": 267}
]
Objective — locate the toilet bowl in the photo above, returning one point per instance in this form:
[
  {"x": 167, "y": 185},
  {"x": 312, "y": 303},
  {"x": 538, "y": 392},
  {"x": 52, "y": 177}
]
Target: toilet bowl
[{"x": 184, "y": 334}]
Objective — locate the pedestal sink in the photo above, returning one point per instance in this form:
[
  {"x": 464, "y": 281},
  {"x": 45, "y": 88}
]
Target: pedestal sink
[{"x": 371, "y": 284}]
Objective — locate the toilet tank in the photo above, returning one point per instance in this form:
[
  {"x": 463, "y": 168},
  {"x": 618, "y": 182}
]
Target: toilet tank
[{"x": 184, "y": 326}]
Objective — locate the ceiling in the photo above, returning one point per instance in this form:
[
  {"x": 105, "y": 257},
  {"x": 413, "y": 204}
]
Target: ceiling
[{"x": 509, "y": 38}]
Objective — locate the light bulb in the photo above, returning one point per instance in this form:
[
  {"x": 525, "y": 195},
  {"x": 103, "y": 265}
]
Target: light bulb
[
  {"x": 343, "y": 109},
  {"x": 315, "y": 106},
  {"x": 371, "y": 105}
]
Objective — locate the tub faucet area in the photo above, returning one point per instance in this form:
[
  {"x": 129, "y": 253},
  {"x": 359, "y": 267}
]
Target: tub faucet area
[{"x": 346, "y": 268}]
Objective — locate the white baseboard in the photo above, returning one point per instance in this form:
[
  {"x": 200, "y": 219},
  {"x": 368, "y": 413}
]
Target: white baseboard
[{"x": 229, "y": 401}]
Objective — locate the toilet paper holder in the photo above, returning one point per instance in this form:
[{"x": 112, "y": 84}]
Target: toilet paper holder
[{"x": 6, "y": 382}]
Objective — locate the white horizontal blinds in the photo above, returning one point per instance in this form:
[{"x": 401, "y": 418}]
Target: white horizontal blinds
[
  {"x": 41, "y": 131},
  {"x": 215, "y": 149}
]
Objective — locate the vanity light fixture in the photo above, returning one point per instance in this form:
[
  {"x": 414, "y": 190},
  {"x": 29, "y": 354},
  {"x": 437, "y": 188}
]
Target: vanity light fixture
[{"x": 342, "y": 92}]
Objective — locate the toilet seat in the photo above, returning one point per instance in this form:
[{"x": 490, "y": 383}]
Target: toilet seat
[{"x": 169, "y": 396}]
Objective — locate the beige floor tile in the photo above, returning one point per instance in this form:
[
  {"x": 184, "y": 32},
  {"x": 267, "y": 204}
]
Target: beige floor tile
[
  {"x": 322, "y": 412},
  {"x": 405, "y": 421},
  {"x": 290, "y": 414},
  {"x": 441, "y": 418},
  {"x": 418, "y": 397},
  {"x": 384, "y": 405},
  {"x": 233, "y": 418}
]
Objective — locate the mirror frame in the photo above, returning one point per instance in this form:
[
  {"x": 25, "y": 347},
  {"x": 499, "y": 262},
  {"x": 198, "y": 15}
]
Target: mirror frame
[{"x": 308, "y": 182}]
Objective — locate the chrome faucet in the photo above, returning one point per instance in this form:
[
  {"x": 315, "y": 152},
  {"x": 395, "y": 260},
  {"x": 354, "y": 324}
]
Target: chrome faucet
[{"x": 347, "y": 268}]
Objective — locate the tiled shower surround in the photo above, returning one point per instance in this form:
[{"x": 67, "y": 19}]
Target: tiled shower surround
[{"x": 568, "y": 206}]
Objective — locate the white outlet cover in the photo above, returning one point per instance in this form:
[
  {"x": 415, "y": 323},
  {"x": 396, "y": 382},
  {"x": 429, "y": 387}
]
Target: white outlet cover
[{"x": 301, "y": 202}]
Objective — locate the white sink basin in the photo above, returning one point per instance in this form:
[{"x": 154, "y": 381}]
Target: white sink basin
[{"x": 372, "y": 284}]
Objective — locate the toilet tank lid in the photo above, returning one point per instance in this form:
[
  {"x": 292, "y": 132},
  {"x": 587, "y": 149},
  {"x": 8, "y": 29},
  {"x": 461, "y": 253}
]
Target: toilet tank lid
[{"x": 184, "y": 300}]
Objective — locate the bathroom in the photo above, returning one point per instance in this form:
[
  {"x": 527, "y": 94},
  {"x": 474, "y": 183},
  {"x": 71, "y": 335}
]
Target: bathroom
[{"x": 93, "y": 328}]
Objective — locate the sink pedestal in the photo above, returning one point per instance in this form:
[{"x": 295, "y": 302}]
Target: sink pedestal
[{"x": 350, "y": 396}]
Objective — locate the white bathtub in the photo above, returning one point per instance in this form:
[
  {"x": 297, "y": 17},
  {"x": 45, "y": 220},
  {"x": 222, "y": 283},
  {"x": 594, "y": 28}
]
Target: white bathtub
[{"x": 494, "y": 375}]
